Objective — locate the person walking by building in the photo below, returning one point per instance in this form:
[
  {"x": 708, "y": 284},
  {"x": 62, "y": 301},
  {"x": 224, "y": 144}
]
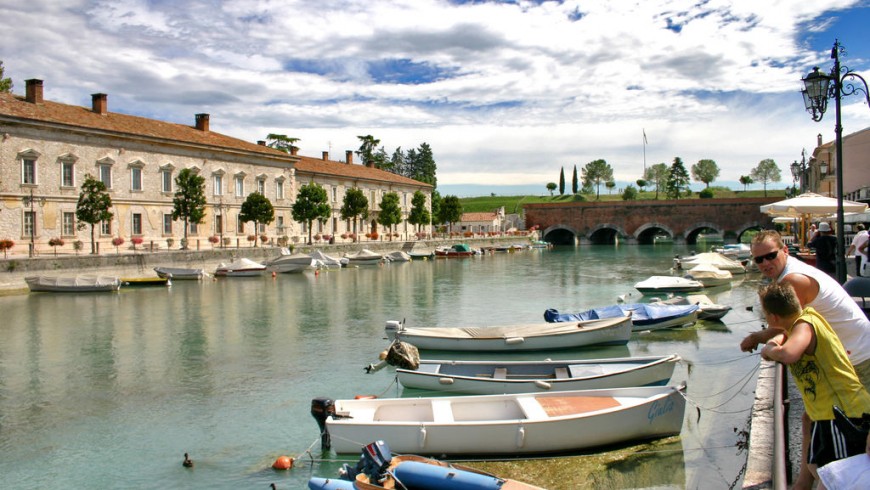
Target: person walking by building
[
  {"x": 825, "y": 245},
  {"x": 858, "y": 241}
]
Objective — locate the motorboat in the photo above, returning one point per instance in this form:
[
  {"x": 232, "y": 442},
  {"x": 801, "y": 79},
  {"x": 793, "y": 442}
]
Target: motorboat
[
  {"x": 707, "y": 309},
  {"x": 493, "y": 377},
  {"x": 179, "y": 273},
  {"x": 506, "y": 338},
  {"x": 325, "y": 261},
  {"x": 454, "y": 251},
  {"x": 668, "y": 284},
  {"x": 290, "y": 262},
  {"x": 398, "y": 256},
  {"x": 364, "y": 257},
  {"x": 718, "y": 260},
  {"x": 644, "y": 316},
  {"x": 422, "y": 254},
  {"x": 74, "y": 284},
  {"x": 509, "y": 424},
  {"x": 240, "y": 268},
  {"x": 737, "y": 251},
  {"x": 709, "y": 275}
]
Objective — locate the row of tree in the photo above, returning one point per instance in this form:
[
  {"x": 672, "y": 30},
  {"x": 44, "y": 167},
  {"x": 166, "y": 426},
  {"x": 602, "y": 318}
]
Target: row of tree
[{"x": 673, "y": 179}]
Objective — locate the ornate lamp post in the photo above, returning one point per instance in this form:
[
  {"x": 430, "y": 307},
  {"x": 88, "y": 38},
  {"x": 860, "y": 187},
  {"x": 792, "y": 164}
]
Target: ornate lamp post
[
  {"x": 799, "y": 171},
  {"x": 219, "y": 209},
  {"x": 819, "y": 87},
  {"x": 28, "y": 201}
]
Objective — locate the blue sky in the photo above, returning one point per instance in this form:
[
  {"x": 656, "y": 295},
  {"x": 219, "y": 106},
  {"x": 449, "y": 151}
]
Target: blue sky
[{"x": 506, "y": 93}]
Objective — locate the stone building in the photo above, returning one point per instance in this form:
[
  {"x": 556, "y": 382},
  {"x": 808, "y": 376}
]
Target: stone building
[{"x": 48, "y": 148}]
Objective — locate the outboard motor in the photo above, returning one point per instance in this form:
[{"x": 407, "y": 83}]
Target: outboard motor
[
  {"x": 375, "y": 460},
  {"x": 392, "y": 328},
  {"x": 321, "y": 408}
]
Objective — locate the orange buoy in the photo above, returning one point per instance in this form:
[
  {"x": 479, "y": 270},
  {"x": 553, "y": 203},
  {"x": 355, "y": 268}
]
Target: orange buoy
[
  {"x": 283, "y": 463},
  {"x": 365, "y": 397},
  {"x": 274, "y": 274},
  {"x": 317, "y": 272}
]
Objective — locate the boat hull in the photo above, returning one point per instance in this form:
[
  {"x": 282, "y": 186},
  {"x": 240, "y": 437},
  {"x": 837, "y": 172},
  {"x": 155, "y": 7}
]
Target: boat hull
[
  {"x": 538, "y": 423},
  {"x": 77, "y": 284},
  {"x": 179, "y": 274}
]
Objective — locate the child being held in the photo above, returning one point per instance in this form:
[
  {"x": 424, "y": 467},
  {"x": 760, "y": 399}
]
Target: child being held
[{"x": 822, "y": 371}]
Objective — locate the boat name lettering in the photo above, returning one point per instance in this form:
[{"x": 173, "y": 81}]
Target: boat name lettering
[{"x": 659, "y": 408}]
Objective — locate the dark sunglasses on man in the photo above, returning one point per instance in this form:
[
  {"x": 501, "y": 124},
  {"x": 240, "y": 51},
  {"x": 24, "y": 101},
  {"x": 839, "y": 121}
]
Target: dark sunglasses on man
[{"x": 762, "y": 258}]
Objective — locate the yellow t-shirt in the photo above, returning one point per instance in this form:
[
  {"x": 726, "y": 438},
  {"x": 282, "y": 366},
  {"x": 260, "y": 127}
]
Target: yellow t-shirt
[{"x": 827, "y": 378}]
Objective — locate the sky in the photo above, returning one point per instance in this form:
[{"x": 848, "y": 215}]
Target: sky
[{"x": 506, "y": 93}]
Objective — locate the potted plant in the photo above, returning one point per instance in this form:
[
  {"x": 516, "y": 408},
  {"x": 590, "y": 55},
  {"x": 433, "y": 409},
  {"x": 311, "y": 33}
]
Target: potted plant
[
  {"x": 227, "y": 241},
  {"x": 170, "y": 242},
  {"x": 184, "y": 243},
  {"x": 374, "y": 235},
  {"x": 252, "y": 239},
  {"x": 77, "y": 246},
  {"x": 317, "y": 237},
  {"x": 117, "y": 242},
  {"x": 283, "y": 240},
  {"x": 56, "y": 242},
  {"x": 214, "y": 239},
  {"x": 264, "y": 238},
  {"x": 136, "y": 240},
  {"x": 344, "y": 236},
  {"x": 6, "y": 244}
]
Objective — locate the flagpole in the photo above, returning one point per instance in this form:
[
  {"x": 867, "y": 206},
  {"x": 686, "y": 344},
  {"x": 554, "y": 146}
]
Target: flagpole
[{"x": 644, "y": 153}]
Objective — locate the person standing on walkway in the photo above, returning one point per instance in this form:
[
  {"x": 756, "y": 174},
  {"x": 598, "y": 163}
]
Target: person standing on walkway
[
  {"x": 825, "y": 244},
  {"x": 819, "y": 290},
  {"x": 859, "y": 241},
  {"x": 821, "y": 369}
]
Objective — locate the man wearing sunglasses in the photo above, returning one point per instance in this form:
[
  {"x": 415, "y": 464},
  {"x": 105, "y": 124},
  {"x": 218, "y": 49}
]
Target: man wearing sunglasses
[{"x": 817, "y": 289}]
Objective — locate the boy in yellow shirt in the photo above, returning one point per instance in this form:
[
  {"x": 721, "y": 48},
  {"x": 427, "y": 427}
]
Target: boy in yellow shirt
[{"x": 821, "y": 370}]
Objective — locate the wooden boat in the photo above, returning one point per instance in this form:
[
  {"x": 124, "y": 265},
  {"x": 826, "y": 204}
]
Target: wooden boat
[
  {"x": 180, "y": 274},
  {"x": 289, "y": 262},
  {"x": 707, "y": 310},
  {"x": 527, "y": 423},
  {"x": 397, "y": 256},
  {"x": 668, "y": 284},
  {"x": 530, "y": 337},
  {"x": 378, "y": 468},
  {"x": 240, "y": 268},
  {"x": 644, "y": 316},
  {"x": 141, "y": 282},
  {"x": 709, "y": 275},
  {"x": 497, "y": 377},
  {"x": 74, "y": 284},
  {"x": 457, "y": 250},
  {"x": 364, "y": 257}
]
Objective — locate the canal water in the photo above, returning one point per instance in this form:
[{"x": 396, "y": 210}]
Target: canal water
[{"x": 110, "y": 390}]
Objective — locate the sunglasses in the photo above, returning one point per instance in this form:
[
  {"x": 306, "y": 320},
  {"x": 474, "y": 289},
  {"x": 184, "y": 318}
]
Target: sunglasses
[{"x": 762, "y": 258}]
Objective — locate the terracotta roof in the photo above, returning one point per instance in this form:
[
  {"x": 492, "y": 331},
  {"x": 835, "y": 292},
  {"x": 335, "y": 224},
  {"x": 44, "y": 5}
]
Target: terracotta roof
[
  {"x": 478, "y": 217},
  {"x": 320, "y": 166},
  {"x": 14, "y": 106}
]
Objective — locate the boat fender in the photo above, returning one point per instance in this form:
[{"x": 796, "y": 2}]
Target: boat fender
[
  {"x": 543, "y": 384},
  {"x": 283, "y": 463},
  {"x": 514, "y": 340},
  {"x": 365, "y": 397},
  {"x": 521, "y": 437},
  {"x": 445, "y": 381},
  {"x": 421, "y": 440}
]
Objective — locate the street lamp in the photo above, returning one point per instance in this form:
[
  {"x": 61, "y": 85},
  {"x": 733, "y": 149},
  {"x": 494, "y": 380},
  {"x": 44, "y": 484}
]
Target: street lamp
[
  {"x": 28, "y": 201},
  {"x": 798, "y": 172},
  {"x": 219, "y": 209},
  {"x": 819, "y": 87}
]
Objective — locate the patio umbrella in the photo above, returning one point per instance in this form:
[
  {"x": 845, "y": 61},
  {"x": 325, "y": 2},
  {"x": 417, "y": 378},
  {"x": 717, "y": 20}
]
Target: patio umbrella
[{"x": 809, "y": 205}]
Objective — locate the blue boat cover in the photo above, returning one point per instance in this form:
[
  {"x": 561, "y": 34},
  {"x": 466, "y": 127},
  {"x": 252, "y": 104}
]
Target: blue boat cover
[{"x": 641, "y": 313}]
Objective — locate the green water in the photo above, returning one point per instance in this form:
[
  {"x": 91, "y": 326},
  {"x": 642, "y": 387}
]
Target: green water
[{"x": 109, "y": 390}]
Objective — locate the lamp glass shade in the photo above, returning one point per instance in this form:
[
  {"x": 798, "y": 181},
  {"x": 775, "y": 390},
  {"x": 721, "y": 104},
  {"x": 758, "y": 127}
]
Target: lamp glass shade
[
  {"x": 816, "y": 84},
  {"x": 795, "y": 169}
]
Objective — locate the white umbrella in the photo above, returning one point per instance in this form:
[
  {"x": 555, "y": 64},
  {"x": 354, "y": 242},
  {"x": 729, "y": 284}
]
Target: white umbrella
[{"x": 810, "y": 204}]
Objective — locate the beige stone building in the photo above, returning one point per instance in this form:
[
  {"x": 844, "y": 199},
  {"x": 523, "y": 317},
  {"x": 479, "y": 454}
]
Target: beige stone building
[{"x": 47, "y": 149}]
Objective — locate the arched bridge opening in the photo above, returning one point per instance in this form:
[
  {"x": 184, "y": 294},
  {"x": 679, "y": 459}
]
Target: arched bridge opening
[
  {"x": 560, "y": 236},
  {"x": 604, "y": 235},
  {"x": 653, "y": 233}
]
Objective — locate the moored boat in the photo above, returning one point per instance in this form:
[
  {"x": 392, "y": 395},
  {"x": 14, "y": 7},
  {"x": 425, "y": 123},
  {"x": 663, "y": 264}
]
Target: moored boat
[
  {"x": 240, "y": 268},
  {"x": 364, "y": 257},
  {"x": 668, "y": 284},
  {"x": 325, "y": 261},
  {"x": 716, "y": 259},
  {"x": 397, "y": 256},
  {"x": 528, "y": 423},
  {"x": 455, "y": 251},
  {"x": 529, "y": 337},
  {"x": 289, "y": 262},
  {"x": 141, "y": 282},
  {"x": 74, "y": 284},
  {"x": 497, "y": 377},
  {"x": 644, "y": 316},
  {"x": 179, "y": 273},
  {"x": 709, "y": 275},
  {"x": 707, "y": 309}
]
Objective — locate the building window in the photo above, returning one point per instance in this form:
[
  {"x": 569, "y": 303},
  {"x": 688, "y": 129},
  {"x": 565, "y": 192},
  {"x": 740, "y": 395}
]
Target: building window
[
  {"x": 136, "y": 179},
  {"x": 29, "y": 223},
  {"x": 167, "y": 224},
  {"x": 279, "y": 189},
  {"x": 335, "y": 194},
  {"x": 240, "y": 225},
  {"x": 279, "y": 224},
  {"x": 69, "y": 224},
  {"x": 106, "y": 175},
  {"x": 137, "y": 224},
  {"x": 218, "y": 224},
  {"x": 106, "y": 228},
  {"x": 192, "y": 228},
  {"x": 67, "y": 174},
  {"x": 240, "y": 187},
  {"x": 166, "y": 178},
  {"x": 261, "y": 186},
  {"x": 218, "y": 185},
  {"x": 28, "y": 171},
  {"x": 262, "y": 228}
]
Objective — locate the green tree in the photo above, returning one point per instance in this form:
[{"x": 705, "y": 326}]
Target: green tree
[
  {"x": 5, "y": 83},
  {"x": 382, "y": 161},
  {"x": 436, "y": 205},
  {"x": 355, "y": 205},
  {"x": 397, "y": 163},
  {"x": 610, "y": 185},
  {"x": 630, "y": 193},
  {"x": 257, "y": 208},
  {"x": 705, "y": 171},
  {"x": 368, "y": 146},
  {"x": 281, "y": 142},
  {"x": 93, "y": 206},
  {"x": 562, "y": 181},
  {"x": 391, "y": 211},
  {"x": 641, "y": 183},
  {"x": 746, "y": 180},
  {"x": 450, "y": 211},
  {"x": 596, "y": 172},
  {"x": 575, "y": 184},
  {"x": 419, "y": 214},
  {"x": 189, "y": 200},
  {"x": 422, "y": 166},
  {"x": 312, "y": 203},
  {"x": 678, "y": 179},
  {"x": 551, "y": 186},
  {"x": 658, "y": 174},
  {"x": 765, "y": 172}
]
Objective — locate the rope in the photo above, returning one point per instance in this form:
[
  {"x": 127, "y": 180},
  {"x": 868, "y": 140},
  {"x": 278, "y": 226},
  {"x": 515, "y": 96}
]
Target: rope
[{"x": 746, "y": 380}]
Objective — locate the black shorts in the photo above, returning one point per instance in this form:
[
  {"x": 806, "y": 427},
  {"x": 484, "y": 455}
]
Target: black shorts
[{"x": 828, "y": 443}]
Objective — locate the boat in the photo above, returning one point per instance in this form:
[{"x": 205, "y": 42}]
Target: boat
[
  {"x": 240, "y": 268},
  {"x": 422, "y": 254},
  {"x": 737, "y": 251},
  {"x": 364, "y": 257},
  {"x": 716, "y": 259},
  {"x": 540, "y": 244},
  {"x": 709, "y": 275},
  {"x": 454, "y": 251},
  {"x": 290, "y": 262},
  {"x": 378, "y": 468},
  {"x": 325, "y": 261},
  {"x": 497, "y": 377},
  {"x": 509, "y": 424},
  {"x": 140, "y": 282},
  {"x": 73, "y": 284},
  {"x": 668, "y": 284},
  {"x": 180, "y": 274},
  {"x": 707, "y": 309},
  {"x": 397, "y": 256},
  {"x": 515, "y": 338},
  {"x": 644, "y": 316}
]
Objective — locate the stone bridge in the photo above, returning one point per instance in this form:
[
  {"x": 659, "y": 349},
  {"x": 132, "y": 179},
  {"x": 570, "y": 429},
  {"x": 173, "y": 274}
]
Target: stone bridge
[{"x": 640, "y": 222}]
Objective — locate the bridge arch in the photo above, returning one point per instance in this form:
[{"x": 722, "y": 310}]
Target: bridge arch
[
  {"x": 560, "y": 234},
  {"x": 646, "y": 233},
  {"x": 695, "y": 229},
  {"x": 605, "y": 234}
]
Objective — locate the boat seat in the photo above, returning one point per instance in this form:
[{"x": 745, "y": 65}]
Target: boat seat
[
  {"x": 499, "y": 373},
  {"x": 585, "y": 370},
  {"x": 442, "y": 412},
  {"x": 561, "y": 373},
  {"x": 531, "y": 408}
]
